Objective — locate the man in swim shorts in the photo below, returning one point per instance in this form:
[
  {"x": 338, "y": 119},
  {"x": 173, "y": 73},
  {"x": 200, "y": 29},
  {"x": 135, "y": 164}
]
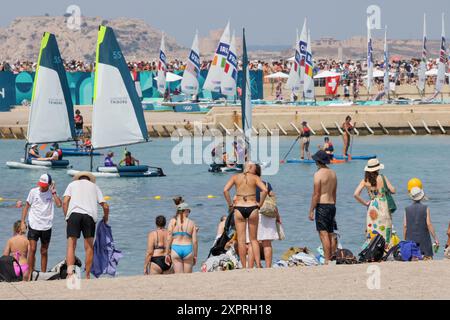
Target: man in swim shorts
[{"x": 323, "y": 202}]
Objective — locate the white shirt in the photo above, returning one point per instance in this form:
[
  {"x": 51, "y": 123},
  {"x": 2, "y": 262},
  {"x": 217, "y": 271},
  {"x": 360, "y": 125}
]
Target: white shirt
[
  {"x": 84, "y": 198},
  {"x": 40, "y": 216}
]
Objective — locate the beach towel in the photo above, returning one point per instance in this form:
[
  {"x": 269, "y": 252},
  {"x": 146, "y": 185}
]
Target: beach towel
[
  {"x": 304, "y": 259},
  {"x": 58, "y": 272},
  {"x": 226, "y": 261},
  {"x": 106, "y": 256}
]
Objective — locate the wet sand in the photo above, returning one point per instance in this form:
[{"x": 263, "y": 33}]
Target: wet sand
[{"x": 414, "y": 280}]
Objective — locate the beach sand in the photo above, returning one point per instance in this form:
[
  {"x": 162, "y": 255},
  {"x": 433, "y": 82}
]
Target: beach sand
[{"x": 414, "y": 280}]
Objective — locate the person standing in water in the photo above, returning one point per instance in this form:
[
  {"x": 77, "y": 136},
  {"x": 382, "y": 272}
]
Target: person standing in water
[
  {"x": 246, "y": 208},
  {"x": 155, "y": 260},
  {"x": 347, "y": 127},
  {"x": 306, "y": 139},
  {"x": 323, "y": 203}
]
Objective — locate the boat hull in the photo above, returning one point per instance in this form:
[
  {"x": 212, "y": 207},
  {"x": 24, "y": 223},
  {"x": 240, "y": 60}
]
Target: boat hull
[{"x": 124, "y": 172}]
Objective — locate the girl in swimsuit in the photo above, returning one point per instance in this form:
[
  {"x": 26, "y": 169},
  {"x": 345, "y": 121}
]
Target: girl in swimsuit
[
  {"x": 155, "y": 259},
  {"x": 245, "y": 208},
  {"x": 347, "y": 127},
  {"x": 306, "y": 139},
  {"x": 182, "y": 245},
  {"x": 18, "y": 247}
]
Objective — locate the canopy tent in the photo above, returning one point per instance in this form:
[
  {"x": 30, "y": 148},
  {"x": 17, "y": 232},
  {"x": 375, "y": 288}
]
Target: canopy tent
[
  {"x": 379, "y": 74},
  {"x": 277, "y": 75},
  {"x": 171, "y": 77},
  {"x": 326, "y": 74}
]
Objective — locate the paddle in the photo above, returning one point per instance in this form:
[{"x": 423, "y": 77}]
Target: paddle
[{"x": 287, "y": 154}]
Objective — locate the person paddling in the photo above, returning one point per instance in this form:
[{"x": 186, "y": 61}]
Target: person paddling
[{"x": 304, "y": 146}]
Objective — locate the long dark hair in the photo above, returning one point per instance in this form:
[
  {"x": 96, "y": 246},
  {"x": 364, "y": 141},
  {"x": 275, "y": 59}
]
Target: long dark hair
[
  {"x": 258, "y": 170},
  {"x": 371, "y": 177}
]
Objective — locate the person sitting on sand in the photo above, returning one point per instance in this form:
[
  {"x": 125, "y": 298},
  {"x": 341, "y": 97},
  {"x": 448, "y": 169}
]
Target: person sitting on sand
[
  {"x": 246, "y": 208},
  {"x": 129, "y": 160},
  {"x": 220, "y": 228},
  {"x": 323, "y": 203},
  {"x": 155, "y": 260},
  {"x": 108, "y": 159},
  {"x": 18, "y": 247},
  {"x": 182, "y": 244},
  {"x": 417, "y": 225}
]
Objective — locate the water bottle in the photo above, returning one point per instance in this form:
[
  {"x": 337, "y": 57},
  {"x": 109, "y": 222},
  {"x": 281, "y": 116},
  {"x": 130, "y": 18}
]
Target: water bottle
[{"x": 435, "y": 247}]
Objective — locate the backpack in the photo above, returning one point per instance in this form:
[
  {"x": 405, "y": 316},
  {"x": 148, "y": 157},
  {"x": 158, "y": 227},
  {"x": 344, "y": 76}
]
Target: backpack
[
  {"x": 345, "y": 256},
  {"x": 394, "y": 254},
  {"x": 219, "y": 245},
  {"x": 7, "y": 272},
  {"x": 374, "y": 251}
]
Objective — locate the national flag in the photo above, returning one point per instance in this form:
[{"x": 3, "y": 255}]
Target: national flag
[
  {"x": 227, "y": 68},
  {"x": 223, "y": 63},
  {"x": 332, "y": 84}
]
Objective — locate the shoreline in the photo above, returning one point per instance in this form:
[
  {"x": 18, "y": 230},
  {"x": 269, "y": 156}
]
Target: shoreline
[{"x": 398, "y": 280}]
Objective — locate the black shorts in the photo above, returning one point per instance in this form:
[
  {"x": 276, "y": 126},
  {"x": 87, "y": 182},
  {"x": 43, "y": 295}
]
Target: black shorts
[
  {"x": 78, "y": 223},
  {"x": 325, "y": 218},
  {"x": 35, "y": 235}
]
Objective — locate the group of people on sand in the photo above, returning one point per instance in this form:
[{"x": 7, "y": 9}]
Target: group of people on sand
[{"x": 79, "y": 205}]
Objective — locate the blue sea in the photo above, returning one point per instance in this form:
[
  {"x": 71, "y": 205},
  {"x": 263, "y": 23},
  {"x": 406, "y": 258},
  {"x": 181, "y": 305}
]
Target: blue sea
[{"x": 134, "y": 207}]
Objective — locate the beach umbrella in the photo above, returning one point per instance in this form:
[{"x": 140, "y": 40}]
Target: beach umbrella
[
  {"x": 171, "y": 77},
  {"x": 326, "y": 74},
  {"x": 277, "y": 75},
  {"x": 432, "y": 72}
]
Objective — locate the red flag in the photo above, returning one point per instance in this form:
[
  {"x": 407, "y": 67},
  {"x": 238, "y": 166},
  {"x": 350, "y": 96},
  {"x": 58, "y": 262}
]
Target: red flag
[{"x": 332, "y": 84}]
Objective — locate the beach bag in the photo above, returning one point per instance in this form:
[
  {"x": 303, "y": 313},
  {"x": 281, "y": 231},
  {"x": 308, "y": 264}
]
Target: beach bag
[
  {"x": 345, "y": 256},
  {"x": 374, "y": 251},
  {"x": 269, "y": 207},
  {"x": 7, "y": 272},
  {"x": 280, "y": 231},
  {"x": 389, "y": 198}
]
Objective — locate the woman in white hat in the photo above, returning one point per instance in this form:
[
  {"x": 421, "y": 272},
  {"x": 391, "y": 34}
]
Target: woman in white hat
[
  {"x": 379, "y": 219},
  {"x": 417, "y": 225}
]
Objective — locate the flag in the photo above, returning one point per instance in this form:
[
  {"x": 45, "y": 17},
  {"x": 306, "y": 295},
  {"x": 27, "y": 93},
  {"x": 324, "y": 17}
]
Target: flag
[{"x": 332, "y": 84}]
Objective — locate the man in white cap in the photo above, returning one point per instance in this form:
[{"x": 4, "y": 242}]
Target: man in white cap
[
  {"x": 40, "y": 210},
  {"x": 81, "y": 200}
]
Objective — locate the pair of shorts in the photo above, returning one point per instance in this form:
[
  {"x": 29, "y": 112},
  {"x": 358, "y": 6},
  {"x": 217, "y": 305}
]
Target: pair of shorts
[
  {"x": 306, "y": 142},
  {"x": 326, "y": 218},
  {"x": 80, "y": 223},
  {"x": 35, "y": 235},
  {"x": 78, "y": 132}
]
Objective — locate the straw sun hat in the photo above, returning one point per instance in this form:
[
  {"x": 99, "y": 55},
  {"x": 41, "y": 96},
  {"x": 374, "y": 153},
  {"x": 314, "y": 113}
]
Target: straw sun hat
[
  {"x": 373, "y": 165},
  {"x": 84, "y": 174}
]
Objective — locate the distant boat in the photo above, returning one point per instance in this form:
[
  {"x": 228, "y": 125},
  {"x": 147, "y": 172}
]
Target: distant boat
[
  {"x": 308, "y": 87},
  {"x": 189, "y": 83},
  {"x": 293, "y": 82},
  {"x": 423, "y": 62},
  {"x": 162, "y": 67},
  {"x": 303, "y": 47},
  {"x": 440, "y": 81},
  {"x": 51, "y": 116},
  {"x": 216, "y": 70},
  {"x": 118, "y": 117}
]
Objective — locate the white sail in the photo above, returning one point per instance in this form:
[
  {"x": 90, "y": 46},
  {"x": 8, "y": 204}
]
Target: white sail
[
  {"x": 423, "y": 62},
  {"x": 293, "y": 82},
  {"x": 386, "y": 66},
  {"x": 162, "y": 67},
  {"x": 303, "y": 48},
  {"x": 117, "y": 117},
  {"x": 216, "y": 70},
  {"x": 308, "y": 88},
  {"x": 228, "y": 84},
  {"x": 51, "y": 111},
  {"x": 440, "y": 81},
  {"x": 369, "y": 58},
  {"x": 189, "y": 83}
]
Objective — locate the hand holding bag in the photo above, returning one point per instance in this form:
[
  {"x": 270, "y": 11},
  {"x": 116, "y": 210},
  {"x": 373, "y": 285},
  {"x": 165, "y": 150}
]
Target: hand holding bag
[
  {"x": 269, "y": 207},
  {"x": 389, "y": 198}
]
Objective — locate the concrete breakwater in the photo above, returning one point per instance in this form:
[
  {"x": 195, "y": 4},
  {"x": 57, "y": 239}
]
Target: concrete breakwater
[{"x": 378, "y": 120}]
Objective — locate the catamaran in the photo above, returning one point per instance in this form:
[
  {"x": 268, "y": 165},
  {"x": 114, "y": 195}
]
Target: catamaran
[
  {"x": 51, "y": 111},
  {"x": 118, "y": 117}
]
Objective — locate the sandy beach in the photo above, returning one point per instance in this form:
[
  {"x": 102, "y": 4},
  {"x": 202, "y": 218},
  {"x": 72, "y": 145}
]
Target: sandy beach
[{"x": 398, "y": 280}]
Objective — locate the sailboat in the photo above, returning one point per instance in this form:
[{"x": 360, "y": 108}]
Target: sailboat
[
  {"x": 303, "y": 47},
  {"x": 308, "y": 87},
  {"x": 440, "y": 81},
  {"x": 216, "y": 71},
  {"x": 423, "y": 62},
  {"x": 162, "y": 67},
  {"x": 228, "y": 83},
  {"x": 189, "y": 83},
  {"x": 51, "y": 112},
  {"x": 293, "y": 82},
  {"x": 118, "y": 117},
  {"x": 369, "y": 60}
]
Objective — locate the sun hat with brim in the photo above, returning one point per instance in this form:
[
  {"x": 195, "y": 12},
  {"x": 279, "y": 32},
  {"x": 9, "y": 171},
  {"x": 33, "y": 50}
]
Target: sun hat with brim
[
  {"x": 417, "y": 194},
  {"x": 183, "y": 206},
  {"x": 373, "y": 165},
  {"x": 86, "y": 174},
  {"x": 321, "y": 157},
  {"x": 34, "y": 145}
]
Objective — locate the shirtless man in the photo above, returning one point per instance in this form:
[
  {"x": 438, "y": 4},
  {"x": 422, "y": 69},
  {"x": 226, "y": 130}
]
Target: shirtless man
[
  {"x": 245, "y": 208},
  {"x": 323, "y": 202}
]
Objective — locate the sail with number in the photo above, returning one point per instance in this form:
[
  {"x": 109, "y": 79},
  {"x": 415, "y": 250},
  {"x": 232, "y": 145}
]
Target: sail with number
[
  {"x": 189, "y": 83},
  {"x": 51, "y": 111},
  {"x": 118, "y": 117},
  {"x": 440, "y": 81},
  {"x": 162, "y": 67},
  {"x": 423, "y": 61},
  {"x": 308, "y": 88},
  {"x": 216, "y": 70},
  {"x": 303, "y": 48},
  {"x": 228, "y": 84}
]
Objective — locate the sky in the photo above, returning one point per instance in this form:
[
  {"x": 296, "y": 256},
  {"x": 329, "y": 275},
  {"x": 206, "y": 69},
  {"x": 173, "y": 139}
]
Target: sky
[{"x": 267, "y": 22}]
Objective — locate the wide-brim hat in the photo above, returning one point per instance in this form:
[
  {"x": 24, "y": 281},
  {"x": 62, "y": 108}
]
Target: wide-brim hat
[
  {"x": 417, "y": 194},
  {"x": 373, "y": 165},
  {"x": 87, "y": 174},
  {"x": 321, "y": 157}
]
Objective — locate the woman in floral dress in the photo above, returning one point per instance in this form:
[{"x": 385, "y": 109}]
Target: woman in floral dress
[{"x": 379, "y": 219}]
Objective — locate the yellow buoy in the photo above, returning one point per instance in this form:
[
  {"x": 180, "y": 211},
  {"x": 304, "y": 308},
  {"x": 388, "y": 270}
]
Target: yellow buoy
[
  {"x": 107, "y": 198},
  {"x": 157, "y": 197},
  {"x": 210, "y": 196},
  {"x": 414, "y": 182},
  {"x": 1, "y": 199}
]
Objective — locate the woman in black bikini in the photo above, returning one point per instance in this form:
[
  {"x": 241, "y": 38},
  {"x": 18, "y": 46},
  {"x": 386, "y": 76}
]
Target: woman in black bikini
[
  {"x": 245, "y": 208},
  {"x": 155, "y": 258}
]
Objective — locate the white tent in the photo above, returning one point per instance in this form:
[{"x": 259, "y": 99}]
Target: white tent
[
  {"x": 277, "y": 75},
  {"x": 171, "y": 77},
  {"x": 326, "y": 74},
  {"x": 378, "y": 74}
]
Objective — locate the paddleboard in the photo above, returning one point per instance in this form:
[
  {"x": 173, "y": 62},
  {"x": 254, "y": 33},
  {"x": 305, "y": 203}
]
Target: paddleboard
[{"x": 357, "y": 157}]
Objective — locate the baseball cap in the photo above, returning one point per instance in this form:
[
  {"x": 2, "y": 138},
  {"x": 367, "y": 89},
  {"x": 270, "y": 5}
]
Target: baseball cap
[
  {"x": 45, "y": 180},
  {"x": 183, "y": 206}
]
